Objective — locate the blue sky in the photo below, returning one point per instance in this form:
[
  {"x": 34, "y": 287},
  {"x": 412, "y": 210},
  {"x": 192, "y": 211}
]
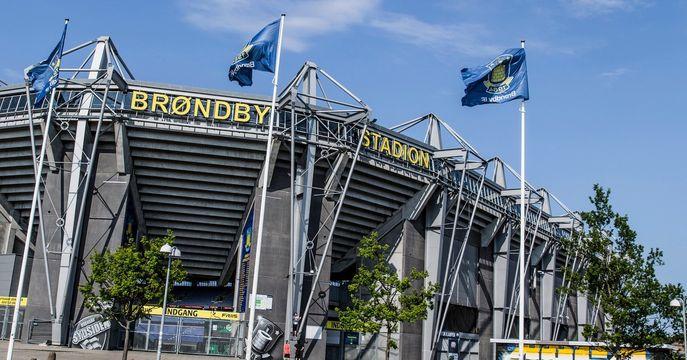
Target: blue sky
[{"x": 607, "y": 77}]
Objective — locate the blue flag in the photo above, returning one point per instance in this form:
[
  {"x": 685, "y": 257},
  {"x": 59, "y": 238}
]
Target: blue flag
[
  {"x": 43, "y": 77},
  {"x": 502, "y": 80},
  {"x": 260, "y": 54}
]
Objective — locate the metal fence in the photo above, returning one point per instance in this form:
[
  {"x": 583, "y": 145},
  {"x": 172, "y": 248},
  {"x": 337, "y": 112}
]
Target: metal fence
[{"x": 6, "y": 314}]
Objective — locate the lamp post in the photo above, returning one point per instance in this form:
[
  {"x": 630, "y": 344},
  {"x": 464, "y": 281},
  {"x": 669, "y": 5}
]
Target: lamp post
[
  {"x": 171, "y": 252},
  {"x": 681, "y": 303}
]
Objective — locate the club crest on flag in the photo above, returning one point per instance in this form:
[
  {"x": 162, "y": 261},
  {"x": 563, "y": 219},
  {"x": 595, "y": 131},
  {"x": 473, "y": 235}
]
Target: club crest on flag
[
  {"x": 499, "y": 79},
  {"x": 502, "y": 79},
  {"x": 244, "y": 54}
]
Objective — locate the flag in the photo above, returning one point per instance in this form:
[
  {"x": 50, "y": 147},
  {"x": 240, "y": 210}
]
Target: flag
[
  {"x": 260, "y": 54},
  {"x": 42, "y": 77},
  {"x": 502, "y": 80}
]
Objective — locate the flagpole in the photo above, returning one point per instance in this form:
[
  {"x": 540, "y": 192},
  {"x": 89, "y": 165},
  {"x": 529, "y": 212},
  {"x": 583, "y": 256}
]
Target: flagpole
[
  {"x": 29, "y": 229},
  {"x": 263, "y": 197},
  {"x": 34, "y": 205},
  {"x": 521, "y": 317}
]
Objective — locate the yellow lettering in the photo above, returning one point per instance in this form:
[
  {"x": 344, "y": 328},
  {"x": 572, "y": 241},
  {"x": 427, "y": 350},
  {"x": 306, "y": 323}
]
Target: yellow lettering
[
  {"x": 261, "y": 114},
  {"x": 375, "y": 138},
  {"x": 366, "y": 139},
  {"x": 139, "y": 100},
  {"x": 181, "y": 105},
  {"x": 424, "y": 159},
  {"x": 385, "y": 146},
  {"x": 241, "y": 112},
  {"x": 160, "y": 100},
  {"x": 397, "y": 149},
  {"x": 413, "y": 155},
  {"x": 227, "y": 110},
  {"x": 203, "y": 108}
]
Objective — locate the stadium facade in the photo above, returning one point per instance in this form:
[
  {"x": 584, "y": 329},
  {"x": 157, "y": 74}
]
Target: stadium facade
[{"x": 154, "y": 157}]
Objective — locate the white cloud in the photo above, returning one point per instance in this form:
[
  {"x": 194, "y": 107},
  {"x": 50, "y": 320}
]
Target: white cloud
[
  {"x": 597, "y": 7},
  {"x": 465, "y": 39},
  {"x": 308, "y": 20},
  {"x": 614, "y": 73},
  {"x": 305, "y": 19}
]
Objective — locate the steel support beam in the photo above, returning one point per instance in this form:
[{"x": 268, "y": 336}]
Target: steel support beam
[
  {"x": 76, "y": 196},
  {"x": 328, "y": 226},
  {"x": 303, "y": 196}
]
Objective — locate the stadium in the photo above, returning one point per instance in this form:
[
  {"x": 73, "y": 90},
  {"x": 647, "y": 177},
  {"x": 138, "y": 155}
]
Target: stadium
[{"x": 125, "y": 158}]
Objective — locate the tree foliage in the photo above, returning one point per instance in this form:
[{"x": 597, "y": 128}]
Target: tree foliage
[
  {"x": 618, "y": 274},
  {"x": 380, "y": 299},
  {"x": 124, "y": 282}
]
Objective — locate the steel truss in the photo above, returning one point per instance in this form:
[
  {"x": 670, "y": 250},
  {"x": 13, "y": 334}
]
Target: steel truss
[
  {"x": 308, "y": 125},
  {"x": 88, "y": 100}
]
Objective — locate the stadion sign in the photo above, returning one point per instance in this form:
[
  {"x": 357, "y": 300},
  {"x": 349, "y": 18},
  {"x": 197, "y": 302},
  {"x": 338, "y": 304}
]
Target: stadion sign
[{"x": 243, "y": 113}]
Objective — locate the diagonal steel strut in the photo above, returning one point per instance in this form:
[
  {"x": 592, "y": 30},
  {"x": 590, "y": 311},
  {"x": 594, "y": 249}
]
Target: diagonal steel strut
[{"x": 330, "y": 236}]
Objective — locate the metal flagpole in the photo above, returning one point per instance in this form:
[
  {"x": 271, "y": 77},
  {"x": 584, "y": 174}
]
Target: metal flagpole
[
  {"x": 40, "y": 210},
  {"x": 521, "y": 317},
  {"x": 263, "y": 196},
  {"x": 29, "y": 229}
]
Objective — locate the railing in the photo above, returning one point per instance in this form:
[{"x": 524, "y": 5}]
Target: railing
[{"x": 40, "y": 331}]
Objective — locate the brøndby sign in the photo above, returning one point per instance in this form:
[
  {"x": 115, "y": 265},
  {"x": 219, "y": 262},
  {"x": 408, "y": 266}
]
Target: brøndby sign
[{"x": 211, "y": 109}]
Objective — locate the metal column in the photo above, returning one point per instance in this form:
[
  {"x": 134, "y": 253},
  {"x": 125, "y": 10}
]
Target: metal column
[{"x": 77, "y": 195}]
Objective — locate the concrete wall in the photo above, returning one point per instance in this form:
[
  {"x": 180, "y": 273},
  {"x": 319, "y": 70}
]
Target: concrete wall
[{"x": 104, "y": 230}]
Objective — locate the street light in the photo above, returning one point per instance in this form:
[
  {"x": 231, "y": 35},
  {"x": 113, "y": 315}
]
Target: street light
[
  {"x": 171, "y": 252},
  {"x": 681, "y": 303}
]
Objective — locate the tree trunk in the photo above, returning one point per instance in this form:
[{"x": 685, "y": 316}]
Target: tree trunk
[
  {"x": 125, "y": 352},
  {"x": 387, "y": 352}
]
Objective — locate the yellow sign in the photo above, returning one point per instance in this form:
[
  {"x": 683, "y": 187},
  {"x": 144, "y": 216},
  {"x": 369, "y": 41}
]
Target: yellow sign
[
  {"x": 333, "y": 325},
  {"x": 219, "y": 110},
  {"x": 11, "y": 300},
  {"x": 396, "y": 149},
  {"x": 196, "y": 313}
]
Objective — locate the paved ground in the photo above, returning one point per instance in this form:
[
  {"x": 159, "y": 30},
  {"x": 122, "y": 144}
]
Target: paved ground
[{"x": 38, "y": 352}]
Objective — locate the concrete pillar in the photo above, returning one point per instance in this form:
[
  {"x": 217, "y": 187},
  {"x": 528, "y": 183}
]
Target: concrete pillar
[
  {"x": 7, "y": 237},
  {"x": 582, "y": 315},
  {"x": 434, "y": 244},
  {"x": 485, "y": 300},
  {"x": 272, "y": 278},
  {"x": 502, "y": 253},
  {"x": 105, "y": 229},
  {"x": 411, "y": 253},
  {"x": 548, "y": 296}
]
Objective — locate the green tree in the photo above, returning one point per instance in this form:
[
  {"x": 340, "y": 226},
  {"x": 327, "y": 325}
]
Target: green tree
[
  {"x": 124, "y": 282},
  {"x": 617, "y": 273},
  {"x": 380, "y": 299}
]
